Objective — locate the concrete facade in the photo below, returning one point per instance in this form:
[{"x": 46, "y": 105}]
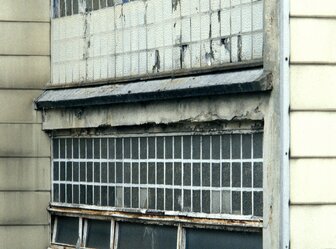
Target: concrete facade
[
  {"x": 24, "y": 148},
  {"x": 313, "y": 122}
]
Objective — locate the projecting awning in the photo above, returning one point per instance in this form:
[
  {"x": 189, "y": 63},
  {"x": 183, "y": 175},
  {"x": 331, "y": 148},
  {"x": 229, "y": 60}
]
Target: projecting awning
[{"x": 253, "y": 80}]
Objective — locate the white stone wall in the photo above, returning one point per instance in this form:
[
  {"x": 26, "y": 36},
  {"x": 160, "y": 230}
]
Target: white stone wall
[{"x": 154, "y": 36}]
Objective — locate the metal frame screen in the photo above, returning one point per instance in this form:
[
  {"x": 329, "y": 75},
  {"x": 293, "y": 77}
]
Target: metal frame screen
[{"x": 204, "y": 174}]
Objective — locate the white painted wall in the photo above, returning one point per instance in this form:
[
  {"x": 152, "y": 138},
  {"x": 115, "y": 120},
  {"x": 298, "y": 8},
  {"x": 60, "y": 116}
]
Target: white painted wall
[{"x": 127, "y": 39}]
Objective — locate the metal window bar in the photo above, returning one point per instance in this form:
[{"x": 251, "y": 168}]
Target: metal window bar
[{"x": 181, "y": 163}]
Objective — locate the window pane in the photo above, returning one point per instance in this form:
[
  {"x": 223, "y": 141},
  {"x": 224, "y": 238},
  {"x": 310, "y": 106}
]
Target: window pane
[
  {"x": 98, "y": 234},
  {"x": 67, "y": 230},
  {"x": 201, "y": 238},
  {"x": 144, "y": 237}
]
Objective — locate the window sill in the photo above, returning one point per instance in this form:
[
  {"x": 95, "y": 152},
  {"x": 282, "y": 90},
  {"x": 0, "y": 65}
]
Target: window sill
[{"x": 246, "y": 81}]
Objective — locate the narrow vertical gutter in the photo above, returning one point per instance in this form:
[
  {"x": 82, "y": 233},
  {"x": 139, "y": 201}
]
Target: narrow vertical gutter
[{"x": 285, "y": 121}]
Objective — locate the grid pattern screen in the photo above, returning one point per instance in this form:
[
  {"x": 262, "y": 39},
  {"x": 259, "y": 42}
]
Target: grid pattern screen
[{"x": 203, "y": 174}]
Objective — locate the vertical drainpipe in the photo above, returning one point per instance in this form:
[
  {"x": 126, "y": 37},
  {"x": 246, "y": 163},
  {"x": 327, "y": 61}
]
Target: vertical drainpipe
[{"x": 285, "y": 122}]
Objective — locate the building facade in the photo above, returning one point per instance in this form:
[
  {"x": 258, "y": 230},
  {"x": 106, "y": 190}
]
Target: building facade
[{"x": 166, "y": 124}]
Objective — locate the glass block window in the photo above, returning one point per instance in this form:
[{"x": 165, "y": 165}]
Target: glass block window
[{"x": 218, "y": 174}]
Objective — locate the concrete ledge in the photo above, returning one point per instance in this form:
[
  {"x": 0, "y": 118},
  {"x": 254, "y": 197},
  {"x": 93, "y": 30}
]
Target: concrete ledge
[{"x": 253, "y": 80}]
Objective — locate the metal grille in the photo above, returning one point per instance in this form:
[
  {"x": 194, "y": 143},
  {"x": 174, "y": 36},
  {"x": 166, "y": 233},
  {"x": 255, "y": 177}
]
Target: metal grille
[{"x": 201, "y": 174}]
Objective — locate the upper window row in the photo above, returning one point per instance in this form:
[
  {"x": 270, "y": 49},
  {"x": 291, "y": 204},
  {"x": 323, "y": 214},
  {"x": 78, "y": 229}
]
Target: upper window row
[{"x": 73, "y": 7}]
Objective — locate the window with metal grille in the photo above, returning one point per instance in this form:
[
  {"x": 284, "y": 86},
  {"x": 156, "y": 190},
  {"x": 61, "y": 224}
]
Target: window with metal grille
[{"x": 207, "y": 175}]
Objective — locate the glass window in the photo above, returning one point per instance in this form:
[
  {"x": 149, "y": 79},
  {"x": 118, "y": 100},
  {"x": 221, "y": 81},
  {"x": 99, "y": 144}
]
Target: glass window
[{"x": 67, "y": 230}]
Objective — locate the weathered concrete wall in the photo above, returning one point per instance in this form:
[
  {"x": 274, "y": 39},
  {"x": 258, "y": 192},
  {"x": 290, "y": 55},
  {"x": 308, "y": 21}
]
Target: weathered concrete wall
[
  {"x": 313, "y": 122},
  {"x": 147, "y": 37},
  {"x": 24, "y": 148}
]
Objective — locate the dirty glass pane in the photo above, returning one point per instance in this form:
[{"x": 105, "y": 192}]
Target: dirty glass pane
[
  {"x": 186, "y": 147},
  {"x": 68, "y": 148},
  {"x": 127, "y": 173},
  {"x": 103, "y": 200},
  {"x": 215, "y": 202},
  {"x": 159, "y": 146},
  {"x": 69, "y": 7},
  {"x": 135, "y": 197},
  {"x": 226, "y": 174},
  {"x": 258, "y": 204},
  {"x": 75, "y": 7},
  {"x": 102, "y": 4},
  {"x": 135, "y": 173},
  {"x": 62, "y": 192},
  {"x": 196, "y": 174},
  {"x": 75, "y": 171},
  {"x": 89, "y": 172},
  {"x": 206, "y": 174},
  {"x": 206, "y": 201},
  {"x": 111, "y": 196},
  {"x": 127, "y": 197},
  {"x": 169, "y": 174},
  {"x": 247, "y": 146},
  {"x": 143, "y": 148},
  {"x": 257, "y": 145},
  {"x": 82, "y": 194},
  {"x": 98, "y": 234},
  {"x": 82, "y": 149},
  {"x": 110, "y": 3},
  {"x": 75, "y": 144},
  {"x": 258, "y": 175},
  {"x": 226, "y": 202},
  {"x": 56, "y": 193},
  {"x": 177, "y": 147},
  {"x": 62, "y": 8},
  {"x": 177, "y": 200},
  {"x": 236, "y": 146},
  {"x": 177, "y": 173},
  {"x": 96, "y": 172},
  {"x": 88, "y": 5},
  {"x": 187, "y": 200},
  {"x": 196, "y": 201},
  {"x": 67, "y": 230},
  {"x": 89, "y": 195},
  {"x": 95, "y": 4},
  {"x": 146, "y": 236},
  {"x": 236, "y": 202},
  {"x": 215, "y": 175},
  {"x": 89, "y": 149},
  {"x": 247, "y": 175},
  {"x": 196, "y": 144},
  {"x": 247, "y": 203},
  {"x": 119, "y": 197},
  {"x": 127, "y": 148},
  {"x": 151, "y": 147},
  {"x": 169, "y": 199},
  {"x": 226, "y": 147},
  {"x": 111, "y": 148},
  {"x": 111, "y": 173},
  {"x": 236, "y": 174},
  {"x": 143, "y": 198},
  {"x": 75, "y": 194},
  {"x": 160, "y": 173},
  {"x": 151, "y": 173},
  {"x": 96, "y": 147},
  {"x": 56, "y": 171},
  {"x": 68, "y": 171},
  {"x": 186, "y": 174},
  {"x": 62, "y": 148},
  {"x": 205, "y": 147},
  {"x": 215, "y": 147},
  {"x": 202, "y": 238},
  {"x": 143, "y": 173},
  {"x": 103, "y": 149},
  {"x": 55, "y": 148},
  {"x": 103, "y": 172},
  {"x": 168, "y": 147},
  {"x": 135, "y": 147},
  {"x": 160, "y": 199},
  {"x": 97, "y": 195},
  {"x": 151, "y": 198},
  {"x": 119, "y": 172},
  {"x": 119, "y": 154}
]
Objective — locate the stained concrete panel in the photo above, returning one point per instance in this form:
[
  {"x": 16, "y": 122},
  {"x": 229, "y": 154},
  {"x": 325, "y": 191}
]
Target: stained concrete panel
[
  {"x": 318, "y": 46},
  {"x": 27, "y": 237},
  {"x": 25, "y": 10},
  {"x": 24, "y": 208},
  {"x": 23, "y": 140},
  {"x": 313, "y": 7},
  {"x": 313, "y": 134},
  {"x": 313, "y": 227},
  {"x": 313, "y": 87},
  {"x": 24, "y": 71},
  {"x": 21, "y": 38},
  {"x": 313, "y": 181},
  {"x": 25, "y": 174},
  {"x": 18, "y": 106}
]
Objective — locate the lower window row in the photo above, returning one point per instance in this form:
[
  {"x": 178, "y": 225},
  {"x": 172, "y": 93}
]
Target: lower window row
[{"x": 110, "y": 234}]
